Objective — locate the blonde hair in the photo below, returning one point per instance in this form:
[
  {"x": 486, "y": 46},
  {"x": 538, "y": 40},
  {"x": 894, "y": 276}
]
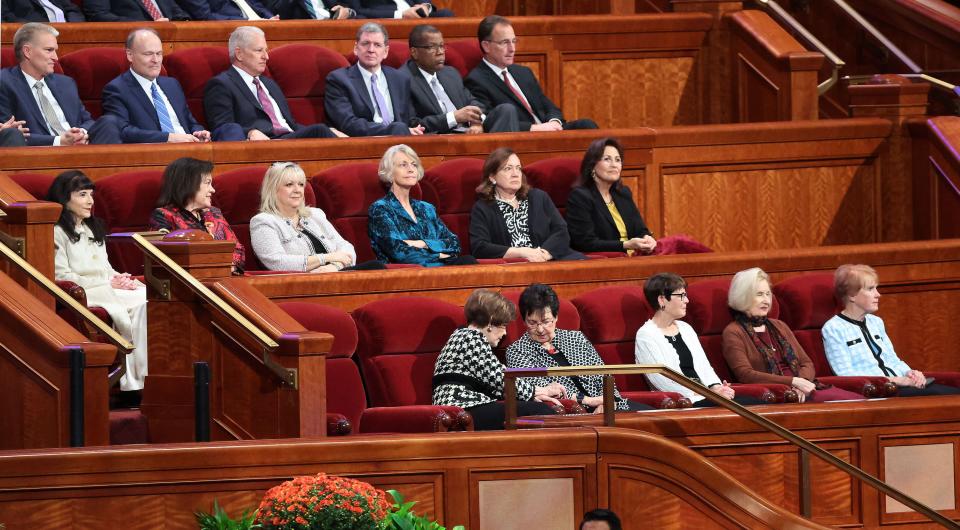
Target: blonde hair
[
  {"x": 273, "y": 179},
  {"x": 386, "y": 163},
  {"x": 848, "y": 279},
  {"x": 743, "y": 287}
]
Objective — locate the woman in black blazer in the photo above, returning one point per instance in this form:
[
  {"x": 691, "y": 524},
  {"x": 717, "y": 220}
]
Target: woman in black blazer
[
  {"x": 512, "y": 220},
  {"x": 602, "y": 215}
]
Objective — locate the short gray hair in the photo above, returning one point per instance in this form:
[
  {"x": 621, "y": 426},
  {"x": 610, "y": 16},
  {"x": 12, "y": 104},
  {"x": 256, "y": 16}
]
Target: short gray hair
[
  {"x": 373, "y": 27},
  {"x": 743, "y": 286},
  {"x": 132, "y": 36},
  {"x": 241, "y": 38},
  {"x": 25, "y": 35},
  {"x": 386, "y": 163},
  {"x": 271, "y": 183}
]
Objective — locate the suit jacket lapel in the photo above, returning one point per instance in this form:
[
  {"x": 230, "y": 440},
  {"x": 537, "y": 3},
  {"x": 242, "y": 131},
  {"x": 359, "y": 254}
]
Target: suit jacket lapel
[
  {"x": 282, "y": 106},
  {"x": 525, "y": 90},
  {"x": 134, "y": 87},
  {"x": 169, "y": 90},
  {"x": 602, "y": 207},
  {"x": 396, "y": 96},
  {"x": 357, "y": 79},
  {"x": 419, "y": 84},
  {"x": 243, "y": 88},
  {"x": 453, "y": 92},
  {"x": 28, "y": 100},
  {"x": 502, "y": 86}
]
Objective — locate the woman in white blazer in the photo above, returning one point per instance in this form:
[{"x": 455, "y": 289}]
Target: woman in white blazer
[
  {"x": 667, "y": 340},
  {"x": 81, "y": 257},
  {"x": 287, "y": 235}
]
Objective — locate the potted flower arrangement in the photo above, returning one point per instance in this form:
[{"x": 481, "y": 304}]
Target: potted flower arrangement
[{"x": 324, "y": 502}]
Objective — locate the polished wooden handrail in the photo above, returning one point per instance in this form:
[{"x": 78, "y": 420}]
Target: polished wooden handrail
[
  {"x": 288, "y": 375},
  {"x": 608, "y": 371},
  {"x": 51, "y": 287}
]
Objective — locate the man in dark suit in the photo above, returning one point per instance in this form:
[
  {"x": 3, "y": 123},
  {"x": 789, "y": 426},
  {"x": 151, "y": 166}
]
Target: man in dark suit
[
  {"x": 368, "y": 98},
  {"x": 133, "y": 10},
  {"x": 40, "y": 11},
  {"x": 242, "y": 95},
  {"x": 442, "y": 103},
  {"x": 497, "y": 80},
  {"x": 409, "y": 9},
  {"x": 48, "y": 103},
  {"x": 317, "y": 10},
  {"x": 227, "y": 10},
  {"x": 150, "y": 108}
]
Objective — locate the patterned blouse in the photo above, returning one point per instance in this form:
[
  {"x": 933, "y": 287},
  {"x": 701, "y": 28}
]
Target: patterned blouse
[
  {"x": 528, "y": 353},
  {"x": 176, "y": 218},
  {"x": 389, "y": 225},
  {"x": 468, "y": 374},
  {"x": 517, "y": 222}
]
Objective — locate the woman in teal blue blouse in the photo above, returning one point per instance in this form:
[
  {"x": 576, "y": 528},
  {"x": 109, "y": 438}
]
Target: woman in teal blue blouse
[{"x": 403, "y": 229}]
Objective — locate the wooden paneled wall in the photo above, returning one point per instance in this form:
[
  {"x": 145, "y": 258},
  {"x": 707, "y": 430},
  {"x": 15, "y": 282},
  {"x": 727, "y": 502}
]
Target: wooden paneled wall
[
  {"x": 629, "y": 71},
  {"x": 936, "y": 177},
  {"x": 733, "y": 187}
]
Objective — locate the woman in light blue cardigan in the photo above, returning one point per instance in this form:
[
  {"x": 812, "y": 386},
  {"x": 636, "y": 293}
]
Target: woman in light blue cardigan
[{"x": 287, "y": 235}]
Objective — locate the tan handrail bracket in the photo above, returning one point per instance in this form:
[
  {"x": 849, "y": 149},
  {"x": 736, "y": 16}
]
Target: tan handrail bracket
[{"x": 510, "y": 396}]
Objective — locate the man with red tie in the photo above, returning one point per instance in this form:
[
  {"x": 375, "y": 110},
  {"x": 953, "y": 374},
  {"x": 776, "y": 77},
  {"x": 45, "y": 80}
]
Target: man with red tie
[
  {"x": 497, "y": 80},
  {"x": 242, "y": 95}
]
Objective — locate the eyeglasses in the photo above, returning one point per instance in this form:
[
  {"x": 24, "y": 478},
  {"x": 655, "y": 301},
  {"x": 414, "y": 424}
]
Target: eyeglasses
[
  {"x": 683, "y": 296},
  {"x": 504, "y": 43},
  {"x": 545, "y": 324},
  {"x": 433, "y": 48}
]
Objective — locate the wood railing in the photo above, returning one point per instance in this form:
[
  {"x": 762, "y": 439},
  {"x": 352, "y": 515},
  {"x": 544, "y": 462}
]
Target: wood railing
[
  {"x": 805, "y": 447},
  {"x": 936, "y": 177}
]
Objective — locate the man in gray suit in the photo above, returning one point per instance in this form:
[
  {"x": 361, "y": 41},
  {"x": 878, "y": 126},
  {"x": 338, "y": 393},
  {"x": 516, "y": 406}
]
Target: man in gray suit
[{"x": 442, "y": 103}]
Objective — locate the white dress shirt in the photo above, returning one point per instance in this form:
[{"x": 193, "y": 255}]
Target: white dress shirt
[
  {"x": 248, "y": 80},
  {"x": 451, "y": 121},
  {"x": 513, "y": 82},
  {"x": 322, "y": 13},
  {"x": 401, "y": 7},
  {"x": 384, "y": 91},
  {"x": 53, "y": 101},
  {"x": 145, "y": 85}
]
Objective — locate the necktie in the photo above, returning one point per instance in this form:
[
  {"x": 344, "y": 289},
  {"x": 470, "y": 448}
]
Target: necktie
[
  {"x": 54, "y": 13},
  {"x": 264, "y": 100},
  {"x": 47, "y": 109},
  {"x": 380, "y": 101},
  {"x": 445, "y": 102},
  {"x": 152, "y": 9},
  {"x": 162, "y": 115},
  {"x": 517, "y": 93},
  {"x": 316, "y": 11},
  {"x": 247, "y": 10}
]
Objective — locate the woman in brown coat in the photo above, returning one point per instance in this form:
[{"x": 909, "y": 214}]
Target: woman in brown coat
[{"x": 761, "y": 350}]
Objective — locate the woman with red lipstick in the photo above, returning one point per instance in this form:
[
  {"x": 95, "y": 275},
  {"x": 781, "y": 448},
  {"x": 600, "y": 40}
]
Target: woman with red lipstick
[
  {"x": 81, "y": 257},
  {"x": 186, "y": 203},
  {"x": 545, "y": 345},
  {"x": 512, "y": 220},
  {"x": 856, "y": 341},
  {"x": 760, "y": 349}
]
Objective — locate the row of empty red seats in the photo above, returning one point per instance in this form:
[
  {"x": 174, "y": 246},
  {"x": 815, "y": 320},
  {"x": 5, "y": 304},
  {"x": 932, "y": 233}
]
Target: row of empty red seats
[
  {"x": 125, "y": 200},
  {"x": 300, "y": 70},
  {"x": 397, "y": 341}
]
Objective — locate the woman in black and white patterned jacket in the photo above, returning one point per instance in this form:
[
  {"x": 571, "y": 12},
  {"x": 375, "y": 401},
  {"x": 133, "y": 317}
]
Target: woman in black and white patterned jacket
[
  {"x": 467, "y": 374},
  {"x": 545, "y": 345}
]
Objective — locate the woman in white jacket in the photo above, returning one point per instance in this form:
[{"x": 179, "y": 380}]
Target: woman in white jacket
[
  {"x": 287, "y": 235},
  {"x": 667, "y": 340},
  {"x": 81, "y": 257}
]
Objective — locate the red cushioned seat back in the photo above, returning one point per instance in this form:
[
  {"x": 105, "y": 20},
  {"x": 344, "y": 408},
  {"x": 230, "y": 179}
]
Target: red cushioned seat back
[
  {"x": 398, "y": 56},
  {"x": 452, "y": 57},
  {"x": 569, "y": 318},
  {"x": 193, "y": 67},
  {"x": 125, "y": 201},
  {"x": 469, "y": 51},
  {"x": 238, "y": 196},
  {"x": 807, "y": 303},
  {"x": 345, "y": 393},
  {"x": 555, "y": 176},
  {"x": 399, "y": 340},
  {"x": 708, "y": 314},
  {"x": 301, "y": 71},
  {"x": 451, "y": 187},
  {"x": 92, "y": 69},
  {"x": 36, "y": 184},
  {"x": 610, "y": 318},
  {"x": 7, "y": 56},
  {"x": 345, "y": 193}
]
